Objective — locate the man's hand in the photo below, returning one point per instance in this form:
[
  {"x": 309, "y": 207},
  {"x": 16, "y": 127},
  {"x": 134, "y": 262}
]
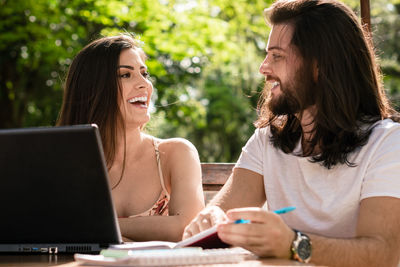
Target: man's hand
[
  {"x": 266, "y": 236},
  {"x": 205, "y": 219}
]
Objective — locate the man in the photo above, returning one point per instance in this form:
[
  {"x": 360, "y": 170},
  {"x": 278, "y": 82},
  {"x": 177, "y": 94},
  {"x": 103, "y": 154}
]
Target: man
[{"x": 326, "y": 144}]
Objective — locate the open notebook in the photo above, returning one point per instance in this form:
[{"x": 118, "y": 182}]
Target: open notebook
[
  {"x": 207, "y": 239},
  {"x": 54, "y": 193}
]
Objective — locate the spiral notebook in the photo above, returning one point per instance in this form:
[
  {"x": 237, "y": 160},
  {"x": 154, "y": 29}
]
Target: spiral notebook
[{"x": 165, "y": 257}]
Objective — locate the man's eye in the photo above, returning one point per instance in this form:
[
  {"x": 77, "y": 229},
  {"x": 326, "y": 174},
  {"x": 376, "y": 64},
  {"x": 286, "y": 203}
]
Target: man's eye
[
  {"x": 146, "y": 74},
  {"x": 125, "y": 75},
  {"x": 276, "y": 56}
]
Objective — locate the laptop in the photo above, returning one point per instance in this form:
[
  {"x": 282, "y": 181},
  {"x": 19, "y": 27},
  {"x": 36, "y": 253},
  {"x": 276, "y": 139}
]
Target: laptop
[{"x": 54, "y": 191}]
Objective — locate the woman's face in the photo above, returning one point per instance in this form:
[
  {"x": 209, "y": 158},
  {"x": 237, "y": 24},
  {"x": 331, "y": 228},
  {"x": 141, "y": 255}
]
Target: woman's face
[{"x": 136, "y": 88}]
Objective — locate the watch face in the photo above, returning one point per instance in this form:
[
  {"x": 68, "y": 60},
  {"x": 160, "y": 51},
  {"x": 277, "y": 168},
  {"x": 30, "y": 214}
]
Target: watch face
[{"x": 304, "y": 249}]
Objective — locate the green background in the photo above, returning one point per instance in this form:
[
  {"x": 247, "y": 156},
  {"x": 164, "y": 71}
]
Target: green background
[{"x": 203, "y": 58}]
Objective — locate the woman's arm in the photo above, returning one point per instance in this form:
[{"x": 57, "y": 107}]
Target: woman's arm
[{"x": 181, "y": 164}]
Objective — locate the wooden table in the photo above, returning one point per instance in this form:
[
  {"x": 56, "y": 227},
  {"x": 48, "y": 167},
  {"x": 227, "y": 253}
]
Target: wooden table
[{"x": 65, "y": 260}]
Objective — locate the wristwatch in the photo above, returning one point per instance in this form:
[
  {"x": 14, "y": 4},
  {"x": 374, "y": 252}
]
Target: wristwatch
[{"x": 301, "y": 247}]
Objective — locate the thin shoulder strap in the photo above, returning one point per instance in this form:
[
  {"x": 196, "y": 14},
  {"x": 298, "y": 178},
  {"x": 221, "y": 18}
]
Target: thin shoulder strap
[{"x": 160, "y": 174}]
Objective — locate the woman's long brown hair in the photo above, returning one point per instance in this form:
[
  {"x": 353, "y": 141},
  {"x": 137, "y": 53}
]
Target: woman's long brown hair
[{"x": 92, "y": 90}]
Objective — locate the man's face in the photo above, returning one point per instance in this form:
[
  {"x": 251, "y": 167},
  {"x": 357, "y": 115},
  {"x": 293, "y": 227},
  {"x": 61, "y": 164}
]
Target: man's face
[{"x": 287, "y": 81}]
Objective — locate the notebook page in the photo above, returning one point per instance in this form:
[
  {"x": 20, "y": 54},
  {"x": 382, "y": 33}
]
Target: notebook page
[
  {"x": 179, "y": 256},
  {"x": 144, "y": 245}
]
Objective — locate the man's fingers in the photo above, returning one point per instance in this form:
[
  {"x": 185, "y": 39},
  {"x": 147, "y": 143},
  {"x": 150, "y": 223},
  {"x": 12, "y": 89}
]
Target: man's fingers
[
  {"x": 255, "y": 215},
  {"x": 241, "y": 240},
  {"x": 246, "y": 229},
  {"x": 205, "y": 223},
  {"x": 205, "y": 219},
  {"x": 191, "y": 230}
]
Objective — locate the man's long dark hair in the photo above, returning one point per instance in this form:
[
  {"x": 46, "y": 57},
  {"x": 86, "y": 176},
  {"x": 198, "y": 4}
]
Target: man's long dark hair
[
  {"x": 92, "y": 90},
  {"x": 349, "y": 90}
]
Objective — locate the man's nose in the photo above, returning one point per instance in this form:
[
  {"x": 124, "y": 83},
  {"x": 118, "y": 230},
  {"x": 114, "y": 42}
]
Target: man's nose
[{"x": 264, "y": 67}]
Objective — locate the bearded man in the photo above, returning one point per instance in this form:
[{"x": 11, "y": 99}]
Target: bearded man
[{"x": 327, "y": 142}]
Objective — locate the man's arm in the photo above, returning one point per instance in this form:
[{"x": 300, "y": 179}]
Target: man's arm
[
  {"x": 377, "y": 241},
  {"x": 244, "y": 188}
]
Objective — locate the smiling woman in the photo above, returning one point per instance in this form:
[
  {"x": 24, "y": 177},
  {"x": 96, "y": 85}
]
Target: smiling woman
[{"x": 156, "y": 184}]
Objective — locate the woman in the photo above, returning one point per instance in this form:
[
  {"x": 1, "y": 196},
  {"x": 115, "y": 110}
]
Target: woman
[{"x": 156, "y": 184}]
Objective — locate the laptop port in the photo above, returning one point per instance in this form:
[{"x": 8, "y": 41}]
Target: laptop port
[
  {"x": 35, "y": 249},
  {"x": 44, "y": 250},
  {"x": 53, "y": 250},
  {"x": 26, "y": 249}
]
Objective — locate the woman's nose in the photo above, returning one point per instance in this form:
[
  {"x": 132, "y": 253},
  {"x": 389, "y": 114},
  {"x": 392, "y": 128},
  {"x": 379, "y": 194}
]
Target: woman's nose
[{"x": 141, "y": 82}]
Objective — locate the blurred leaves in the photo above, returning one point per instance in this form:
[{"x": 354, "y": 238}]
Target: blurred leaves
[{"x": 203, "y": 58}]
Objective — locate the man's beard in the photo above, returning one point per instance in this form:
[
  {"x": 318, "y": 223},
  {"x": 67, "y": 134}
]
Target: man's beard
[
  {"x": 284, "y": 104},
  {"x": 288, "y": 101}
]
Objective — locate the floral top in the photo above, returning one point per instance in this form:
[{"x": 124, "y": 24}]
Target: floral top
[{"x": 160, "y": 207}]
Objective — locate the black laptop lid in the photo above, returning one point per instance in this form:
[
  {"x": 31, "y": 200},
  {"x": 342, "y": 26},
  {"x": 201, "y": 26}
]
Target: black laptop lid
[{"x": 54, "y": 190}]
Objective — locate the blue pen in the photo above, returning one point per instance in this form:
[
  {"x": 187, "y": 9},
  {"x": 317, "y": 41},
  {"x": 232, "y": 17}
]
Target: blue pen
[
  {"x": 284, "y": 210},
  {"x": 279, "y": 211},
  {"x": 242, "y": 221}
]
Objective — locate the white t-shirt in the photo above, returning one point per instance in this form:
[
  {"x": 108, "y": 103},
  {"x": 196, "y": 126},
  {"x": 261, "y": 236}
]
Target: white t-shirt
[{"x": 327, "y": 201}]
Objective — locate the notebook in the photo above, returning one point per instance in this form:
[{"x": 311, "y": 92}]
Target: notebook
[
  {"x": 207, "y": 239},
  {"x": 54, "y": 193},
  {"x": 164, "y": 257}
]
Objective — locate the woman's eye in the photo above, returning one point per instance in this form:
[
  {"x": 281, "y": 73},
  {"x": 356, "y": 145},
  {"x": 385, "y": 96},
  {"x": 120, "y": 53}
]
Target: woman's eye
[
  {"x": 146, "y": 74},
  {"x": 125, "y": 75}
]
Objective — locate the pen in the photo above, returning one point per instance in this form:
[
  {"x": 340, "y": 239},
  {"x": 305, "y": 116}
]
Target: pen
[
  {"x": 284, "y": 210},
  {"x": 242, "y": 221},
  {"x": 279, "y": 211}
]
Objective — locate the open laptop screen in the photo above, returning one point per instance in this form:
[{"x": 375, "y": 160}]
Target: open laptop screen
[{"x": 54, "y": 192}]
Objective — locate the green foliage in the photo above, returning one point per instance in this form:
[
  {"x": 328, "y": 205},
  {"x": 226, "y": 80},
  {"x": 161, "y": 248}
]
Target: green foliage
[
  {"x": 386, "y": 24},
  {"x": 203, "y": 57},
  {"x": 385, "y": 20}
]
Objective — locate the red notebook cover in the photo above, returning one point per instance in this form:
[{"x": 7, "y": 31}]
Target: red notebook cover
[{"x": 206, "y": 239}]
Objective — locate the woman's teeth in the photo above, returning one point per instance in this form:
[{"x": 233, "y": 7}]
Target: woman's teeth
[{"x": 138, "y": 99}]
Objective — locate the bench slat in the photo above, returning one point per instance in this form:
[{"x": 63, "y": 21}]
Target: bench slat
[{"x": 215, "y": 175}]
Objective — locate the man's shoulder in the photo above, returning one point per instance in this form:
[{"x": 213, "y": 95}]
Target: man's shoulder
[
  {"x": 386, "y": 127},
  {"x": 264, "y": 131},
  {"x": 385, "y": 133}
]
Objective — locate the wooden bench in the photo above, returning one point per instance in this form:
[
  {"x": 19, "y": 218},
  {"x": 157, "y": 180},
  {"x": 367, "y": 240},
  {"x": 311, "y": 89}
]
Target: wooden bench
[{"x": 214, "y": 176}]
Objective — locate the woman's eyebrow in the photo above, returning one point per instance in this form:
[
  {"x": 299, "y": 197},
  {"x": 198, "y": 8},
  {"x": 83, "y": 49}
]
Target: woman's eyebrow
[
  {"x": 130, "y": 67},
  {"x": 126, "y": 66}
]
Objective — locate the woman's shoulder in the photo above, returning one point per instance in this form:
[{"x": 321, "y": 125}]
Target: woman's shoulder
[
  {"x": 177, "y": 153},
  {"x": 174, "y": 145}
]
